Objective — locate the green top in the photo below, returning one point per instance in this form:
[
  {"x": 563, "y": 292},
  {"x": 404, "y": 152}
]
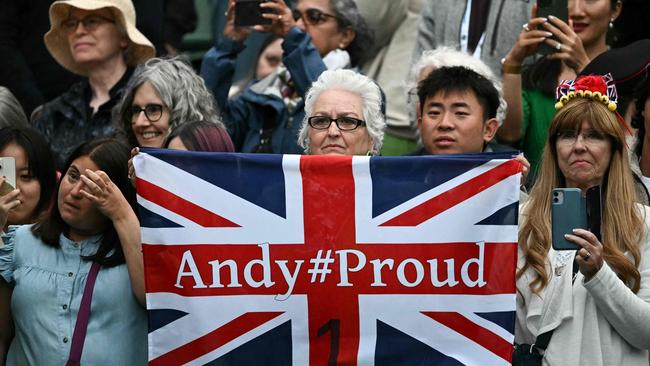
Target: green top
[{"x": 538, "y": 110}]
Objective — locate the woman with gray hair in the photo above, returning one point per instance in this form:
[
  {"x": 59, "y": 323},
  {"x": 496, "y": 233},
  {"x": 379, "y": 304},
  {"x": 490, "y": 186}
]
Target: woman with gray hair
[
  {"x": 317, "y": 35},
  {"x": 343, "y": 115},
  {"x": 162, "y": 94}
]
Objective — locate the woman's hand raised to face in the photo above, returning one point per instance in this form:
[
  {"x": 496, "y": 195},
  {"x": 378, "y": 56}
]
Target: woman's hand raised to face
[
  {"x": 8, "y": 202},
  {"x": 108, "y": 198},
  {"x": 281, "y": 17}
]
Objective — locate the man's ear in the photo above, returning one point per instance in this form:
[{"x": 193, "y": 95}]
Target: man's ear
[
  {"x": 490, "y": 128},
  {"x": 419, "y": 121}
]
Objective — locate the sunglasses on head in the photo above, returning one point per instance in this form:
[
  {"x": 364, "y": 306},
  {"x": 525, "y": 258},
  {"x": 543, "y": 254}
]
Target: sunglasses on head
[{"x": 312, "y": 16}]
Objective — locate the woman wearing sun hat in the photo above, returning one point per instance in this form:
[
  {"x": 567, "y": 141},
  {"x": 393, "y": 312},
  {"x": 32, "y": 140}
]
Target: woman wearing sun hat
[{"x": 96, "y": 39}]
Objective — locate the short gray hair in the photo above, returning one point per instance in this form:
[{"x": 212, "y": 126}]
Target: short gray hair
[
  {"x": 354, "y": 82},
  {"x": 180, "y": 88},
  {"x": 11, "y": 112},
  {"x": 449, "y": 57}
]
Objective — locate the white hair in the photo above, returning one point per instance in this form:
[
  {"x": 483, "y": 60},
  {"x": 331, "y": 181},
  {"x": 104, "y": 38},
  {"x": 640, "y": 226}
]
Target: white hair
[
  {"x": 444, "y": 56},
  {"x": 354, "y": 82}
]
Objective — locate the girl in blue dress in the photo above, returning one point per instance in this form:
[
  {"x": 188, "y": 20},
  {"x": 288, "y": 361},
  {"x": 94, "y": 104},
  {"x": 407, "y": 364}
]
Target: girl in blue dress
[{"x": 48, "y": 265}]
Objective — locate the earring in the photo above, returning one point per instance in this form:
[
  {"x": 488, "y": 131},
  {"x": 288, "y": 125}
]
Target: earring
[{"x": 611, "y": 23}]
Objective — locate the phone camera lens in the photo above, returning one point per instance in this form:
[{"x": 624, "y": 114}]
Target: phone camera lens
[{"x": 556, "y": 200}]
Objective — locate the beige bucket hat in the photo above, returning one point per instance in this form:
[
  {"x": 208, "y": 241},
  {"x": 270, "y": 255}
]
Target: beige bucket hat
[{"x": 56, "y": 41}]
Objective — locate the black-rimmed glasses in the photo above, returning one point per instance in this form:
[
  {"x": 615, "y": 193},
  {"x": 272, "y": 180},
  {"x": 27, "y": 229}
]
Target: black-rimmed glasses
[
  {"x": 343, "y": 123},
  {"x": 312, "y": 16},
  {"x": 153, "y": 112},
  {"x": 90, "y": 23}
]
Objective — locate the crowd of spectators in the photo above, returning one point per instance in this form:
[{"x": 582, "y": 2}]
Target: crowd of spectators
[{"x": 85, "y": 83}]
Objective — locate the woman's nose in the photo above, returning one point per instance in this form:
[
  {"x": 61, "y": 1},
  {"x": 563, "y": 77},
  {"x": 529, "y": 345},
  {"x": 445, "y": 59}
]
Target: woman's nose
[
  {"x": 576, "y": 8},
  {"x": 301, "y": 24},
  {"x": 141, "y": 119},
  {"x": 333, "y": 129},
  {"x": 76, "y": 189}
]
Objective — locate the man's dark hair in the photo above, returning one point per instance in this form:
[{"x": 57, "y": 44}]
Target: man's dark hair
[{"x": 460, "y": 79}]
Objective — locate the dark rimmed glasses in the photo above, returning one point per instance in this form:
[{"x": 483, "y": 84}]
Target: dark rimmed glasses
[
  {"x": 589, "y": 137},
  {"x": 343, "y": 123},
  {"x": 90, "y": 23},
  {"x": 312, "y": 16},
  {"x": 153, "y": 112}
]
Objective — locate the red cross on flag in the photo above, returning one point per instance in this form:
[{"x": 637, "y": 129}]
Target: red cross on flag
[{"x": 318, "y": 260}]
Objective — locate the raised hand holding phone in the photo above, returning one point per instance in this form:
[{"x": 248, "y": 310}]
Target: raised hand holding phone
[
  {"x": 576, "y": 225},
  {"x": 8, "y": 201},
  {"x": 231, "y": 30},
  {"x": 564, "y": 45},
  {"x": 249, "y": 13},
  {"x": 280, "y": 15},
  {"x": 8, "y": 172},
  {"x": 568, "y": 212},
  {"x": 552, "y": 8}
]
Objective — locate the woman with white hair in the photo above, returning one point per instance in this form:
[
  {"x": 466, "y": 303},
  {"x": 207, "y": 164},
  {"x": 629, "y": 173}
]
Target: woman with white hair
[
  {"x": 343, "y": 115},
  {"x": 161, "y": 95},
  {"x": 98, "y": 40}
]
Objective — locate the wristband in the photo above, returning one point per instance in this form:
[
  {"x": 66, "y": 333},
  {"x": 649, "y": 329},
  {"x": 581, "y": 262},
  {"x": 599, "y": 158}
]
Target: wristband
[{"x": 509, "y": 68}]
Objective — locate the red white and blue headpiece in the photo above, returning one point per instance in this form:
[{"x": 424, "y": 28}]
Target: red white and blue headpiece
[
  {"x": 601, "y": 88},
  {"x": 596, "y": 87}
]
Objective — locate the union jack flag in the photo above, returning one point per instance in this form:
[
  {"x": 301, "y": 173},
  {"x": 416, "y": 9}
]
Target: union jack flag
[{"x": 318, "y": 260}]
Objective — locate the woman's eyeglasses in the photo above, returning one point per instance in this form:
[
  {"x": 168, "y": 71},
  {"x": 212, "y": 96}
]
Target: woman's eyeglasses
[
  {"x": 90, "y": 23},
  {"x": 343, "y": 123},
  {"x": 312, "y": 16},
  {"x": 589, "y": 137},
  {"x": 153, "y": 112}
]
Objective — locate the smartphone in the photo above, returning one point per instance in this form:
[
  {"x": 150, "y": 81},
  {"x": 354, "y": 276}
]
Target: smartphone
[
  {"x": 248, "y": 13},
  {"x": 556, "y": 8},
  {"x": 594, "y": 206},
  {"x": 568, "y": 212},
  {"x": 8, "y": 171}
]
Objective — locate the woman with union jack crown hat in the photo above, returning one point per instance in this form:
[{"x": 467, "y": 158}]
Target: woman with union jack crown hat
[{"x": 589, "y": 305}]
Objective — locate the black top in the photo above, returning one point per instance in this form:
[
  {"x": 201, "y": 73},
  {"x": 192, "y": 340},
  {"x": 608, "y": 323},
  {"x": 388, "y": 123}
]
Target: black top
[
  {"x": 26, "y": 66},
  {"x": 68, "y": 120}
]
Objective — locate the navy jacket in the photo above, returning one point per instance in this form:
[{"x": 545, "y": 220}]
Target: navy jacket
[{"x": 246, "y": 114}]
